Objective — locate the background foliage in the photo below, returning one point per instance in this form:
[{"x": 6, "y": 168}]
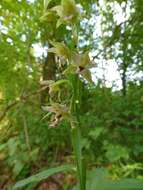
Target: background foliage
[{"x": 111, "y": 117}]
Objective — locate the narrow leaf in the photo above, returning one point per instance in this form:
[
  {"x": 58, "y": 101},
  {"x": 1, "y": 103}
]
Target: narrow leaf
[
  {"x": 43, "y": 175},
  {"x": 46, "y": 3}
]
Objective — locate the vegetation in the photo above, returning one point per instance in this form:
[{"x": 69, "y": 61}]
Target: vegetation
[{"x": 62, "y": 126}]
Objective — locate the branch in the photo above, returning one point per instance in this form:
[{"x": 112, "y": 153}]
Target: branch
[
  {"x": 26, "y": 133},
  {"x": 15, "y": 102}
]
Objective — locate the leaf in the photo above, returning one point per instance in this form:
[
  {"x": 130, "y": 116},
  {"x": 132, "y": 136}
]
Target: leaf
[
  {"x": 58, "y": 85},
  {"x": 99, "y": 179},
  {"x": 96, "y": 179},
  {"x": 12, "y": 146},
  {"x": 59, "y": 23},
  {"x": 67, "y": 11},
  {"x": 70, "y": 11},
  {"x": 71, "y": 69},
  {"x": 46, "y": 82},
  {"x": 55, "y": 87},
  {"x": 42, "y": 175},
  {"x": 126, "y": 184},
  {"x": 95, "y": 133},
  {"x": 116, "y": 152},
  {"x": 48, "y": 16},
  {"x": 46, "y": 3},
  {"x": 85, "y": 143},
  {"x": 18, "y": 166},
  {"x": 8, "y": 1},
  {"x": 2, "y": 146},
  {"x": 58, "y": 9},
  {"x": 60, "y": 49}
]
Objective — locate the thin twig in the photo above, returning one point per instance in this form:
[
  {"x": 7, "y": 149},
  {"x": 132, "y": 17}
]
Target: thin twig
[
  {"x": 18, "y": 100},
  {"x": 26, "y": 133}
]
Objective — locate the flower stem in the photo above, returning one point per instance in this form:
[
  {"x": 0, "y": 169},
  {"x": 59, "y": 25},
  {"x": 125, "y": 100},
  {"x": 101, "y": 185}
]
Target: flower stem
[{"x": 76, "y": 133}]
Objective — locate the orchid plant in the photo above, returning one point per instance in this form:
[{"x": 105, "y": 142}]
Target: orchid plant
[{"x": 77, "y": 67}]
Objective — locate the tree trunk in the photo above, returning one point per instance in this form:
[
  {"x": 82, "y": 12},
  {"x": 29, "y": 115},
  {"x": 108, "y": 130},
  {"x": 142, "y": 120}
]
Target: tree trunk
[{"x": 48, "y": 73}]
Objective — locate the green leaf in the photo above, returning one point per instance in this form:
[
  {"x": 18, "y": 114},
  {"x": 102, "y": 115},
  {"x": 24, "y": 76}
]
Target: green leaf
[
  {"x": 58, "y": 9},
  {"x": 67, "y": 11},
  {"x": 18, "y": 167},
  {"x": 126, "y": 184},
  {"x": 99, "y": 179},
  {"x": 116, "y": 152},
  {"x": 48, "y": 16},
  {"x": 42, "y": 175},
  {"x": 95, "y": 133},
  {"x": 46, "y": 3},
  {"x": 70, "y": 11},
  {"x": 59, "y": 23},
  {"x": 60, "y": 49},
  {"x": 2, "y": 147},
  {"x": 12, "y": 146},
  {"x": 71, "y": 69}
]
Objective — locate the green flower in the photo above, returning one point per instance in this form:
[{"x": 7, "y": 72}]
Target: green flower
[
  {"x": 60, "y": 49},
  {"x": 81, "y": 65},
  {"x": 68, "y": 12}
]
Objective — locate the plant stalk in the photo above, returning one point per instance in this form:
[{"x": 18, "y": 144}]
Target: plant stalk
[{"x": 76, "y": 133}]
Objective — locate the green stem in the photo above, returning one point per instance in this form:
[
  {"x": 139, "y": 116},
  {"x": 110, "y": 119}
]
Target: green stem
[{"x": 76, "y": 133}]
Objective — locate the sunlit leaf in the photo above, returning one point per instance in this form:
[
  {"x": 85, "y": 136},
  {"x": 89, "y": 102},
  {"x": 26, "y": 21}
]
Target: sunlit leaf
[
  {"x": 56, "y": 86},
  {"x": 58, "y": 9},
  {"x": 59, "y": 22},
  {"x": 67, "y": 11},
  {"x": 46, "y": 3},
  {"x": 71, "y": 69},
  {"x": 48, "y": 16},
  {"x": 70, "y": 11},
  {"x": 60, "y": 49}
]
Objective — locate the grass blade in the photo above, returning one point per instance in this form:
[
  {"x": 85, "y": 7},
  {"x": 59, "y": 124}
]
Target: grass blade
[{"x": 43, "y": 175}]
